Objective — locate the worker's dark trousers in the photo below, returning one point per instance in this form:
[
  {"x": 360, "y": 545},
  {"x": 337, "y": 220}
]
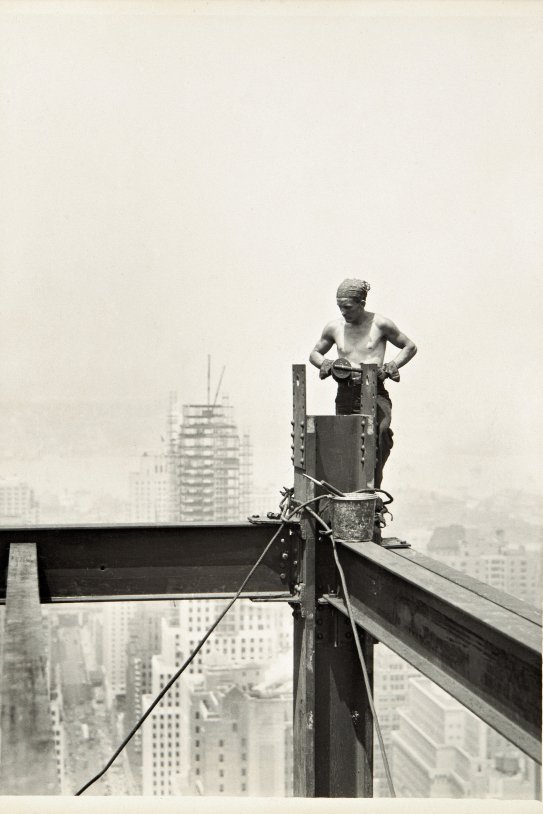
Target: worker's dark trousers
[{"x": 348, "y": 403}]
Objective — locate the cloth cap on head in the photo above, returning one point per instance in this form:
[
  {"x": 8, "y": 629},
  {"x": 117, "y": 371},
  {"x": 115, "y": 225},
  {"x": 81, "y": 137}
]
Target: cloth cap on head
[{"x": 353, "y": 289}]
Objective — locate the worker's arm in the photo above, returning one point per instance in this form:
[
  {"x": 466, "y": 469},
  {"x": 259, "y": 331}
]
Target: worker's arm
[
  {"x": 392, "y": 334},
  {"x": 316, "y": 357}
]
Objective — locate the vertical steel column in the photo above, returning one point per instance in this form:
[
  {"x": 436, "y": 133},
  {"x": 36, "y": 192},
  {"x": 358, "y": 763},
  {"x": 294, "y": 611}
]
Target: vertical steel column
[
  {"x": 333, "y": 727},
  {"x": 304, "y": 614},
  {"x": 27, "y": 756}
]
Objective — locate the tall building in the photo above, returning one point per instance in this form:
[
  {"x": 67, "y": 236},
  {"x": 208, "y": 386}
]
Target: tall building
[
  {"x": 115, "y": 635},
  {"x": 251, "y": 631},
  {"x": 439, "y": 749},
  {"x": 391, "y": 684},
  {"x": 166, "y": 734},
  {"x": 442, "y": 750},
  {"x": 207, "y": 706},
  {"x": 18, "y": 505},
  {"x": 151, "y": 499},
  {"x": 204, "y": 472},
  {"x": 145, "y": 641},
  {"x": 245, "y": 476},
  {"x": 213, "y": 464},
  {"x": 244, "y": 745},
  {"x": 248, "y": 640}
]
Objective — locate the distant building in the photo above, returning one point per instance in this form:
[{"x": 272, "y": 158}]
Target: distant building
[
  {"x": 151, "y": 489},
  {"x": 250, "y": 631},
  {"x": 510, "y": 568},
  {"x": 242, "y": 733},
  {"x": 214, "y": 465},
  {"x": 442, "y": 750},
  {"x": 204, "y": 472},
  {"x": 166, "y": 734},
  {"x": 513, "y": 776},
  {"x": 245, "y": 476},
  {"x": 212, "y": 482},
  {"x": 231, "y": 663},
  {"x": 115, "y": 633},
  {"x": 439, "y": 749},
  {"x": 145, "y": 641},
  {"x": 57, "y": 714},
  {"x": 391, "y": 684},
  {"x": 18, "y": 505}
]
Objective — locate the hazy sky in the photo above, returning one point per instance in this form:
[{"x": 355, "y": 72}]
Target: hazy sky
[{"x": 183, "y": 179}]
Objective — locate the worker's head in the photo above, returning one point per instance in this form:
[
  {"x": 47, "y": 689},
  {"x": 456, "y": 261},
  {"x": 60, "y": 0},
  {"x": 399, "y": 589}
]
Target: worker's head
[{"x": 351, "y": 298}]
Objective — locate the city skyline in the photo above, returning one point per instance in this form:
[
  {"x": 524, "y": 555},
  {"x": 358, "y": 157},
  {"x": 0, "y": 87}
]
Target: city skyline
[{"x": 184, "y": 179}]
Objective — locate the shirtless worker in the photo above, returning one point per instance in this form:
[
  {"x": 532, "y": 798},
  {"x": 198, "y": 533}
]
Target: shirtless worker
[{"x": 361, "y": 337}]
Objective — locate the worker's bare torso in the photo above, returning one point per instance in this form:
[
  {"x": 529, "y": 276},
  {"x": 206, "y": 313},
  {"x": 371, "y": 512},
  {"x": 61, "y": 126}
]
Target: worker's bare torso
[{"x": 363, "y": 343}]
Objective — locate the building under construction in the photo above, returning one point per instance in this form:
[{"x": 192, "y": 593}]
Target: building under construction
[
  {"x": 213, "y": 465},
  {"x": 203, "y": 475}
]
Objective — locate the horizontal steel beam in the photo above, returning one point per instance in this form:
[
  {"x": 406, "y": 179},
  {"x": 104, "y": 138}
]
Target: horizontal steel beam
[
  {"x": 485, "y": 654},
  {"x": 88, "y": 563}
]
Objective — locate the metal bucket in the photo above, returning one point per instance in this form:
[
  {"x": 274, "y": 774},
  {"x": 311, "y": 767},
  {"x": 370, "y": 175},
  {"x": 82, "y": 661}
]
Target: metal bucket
[{"x": 352, "y": 517}]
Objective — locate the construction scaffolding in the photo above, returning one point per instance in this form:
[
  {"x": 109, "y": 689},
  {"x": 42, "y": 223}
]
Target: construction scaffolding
[{"x": 211, "y": 464}]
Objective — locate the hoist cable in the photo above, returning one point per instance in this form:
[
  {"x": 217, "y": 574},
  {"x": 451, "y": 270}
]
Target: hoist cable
[{"x": 183, "y": 667}]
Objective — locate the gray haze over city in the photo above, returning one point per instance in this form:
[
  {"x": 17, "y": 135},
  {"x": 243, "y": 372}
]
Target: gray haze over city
[
  {"x": 180, "y": 185},
  {"x": 191, "y": 180}
]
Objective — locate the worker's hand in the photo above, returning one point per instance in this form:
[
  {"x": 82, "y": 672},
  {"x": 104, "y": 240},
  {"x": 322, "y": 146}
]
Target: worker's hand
[
  {"x": 326, "y": 369},
  {"x": 389, "y": 371}
]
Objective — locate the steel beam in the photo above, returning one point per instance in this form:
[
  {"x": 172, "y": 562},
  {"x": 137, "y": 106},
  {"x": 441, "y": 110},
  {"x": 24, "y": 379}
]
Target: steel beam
[
  {"x": 27, "y": 757},
  {"x": 86, "y": 563},
  {"x": 333, "y": 727},
  {"x": 303, "y": 714},
  {"x": 487, "y": 655}
]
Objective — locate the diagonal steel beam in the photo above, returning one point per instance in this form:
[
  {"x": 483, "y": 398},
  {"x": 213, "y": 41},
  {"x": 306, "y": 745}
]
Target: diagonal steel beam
[
  {"x": 487, "y": 655},
  {"x": 27, "y": 757},
  {"x": 87, "y": 563}
]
